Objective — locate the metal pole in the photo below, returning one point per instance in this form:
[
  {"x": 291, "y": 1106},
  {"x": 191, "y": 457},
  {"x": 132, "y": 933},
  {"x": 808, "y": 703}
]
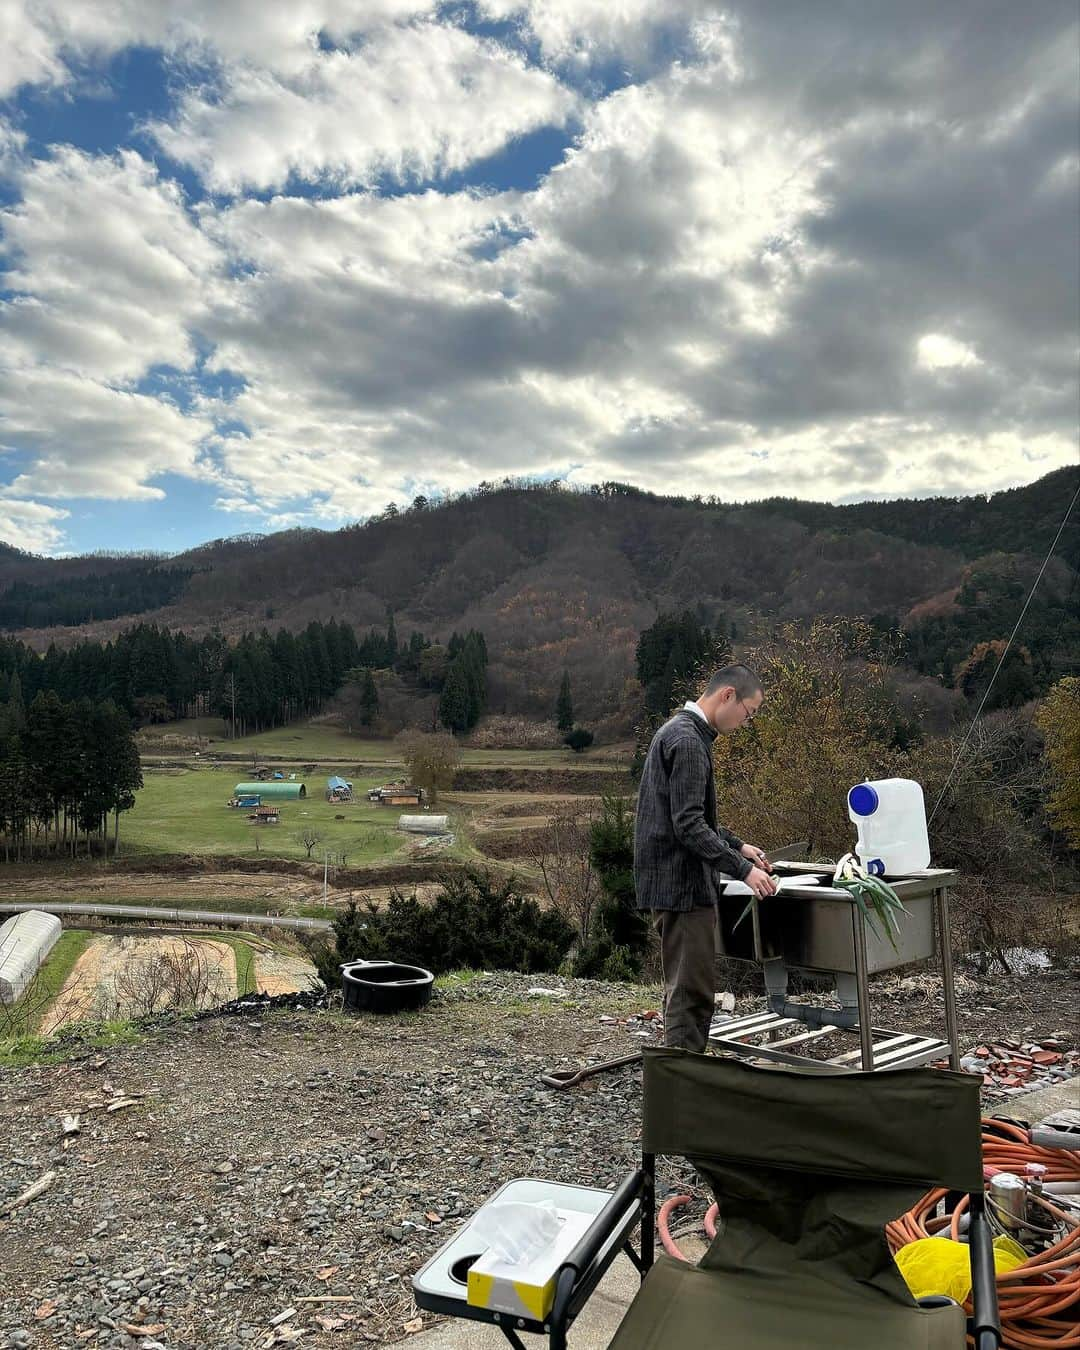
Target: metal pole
[
  {"x": 944, "y": 932},
  {"x": 648, "y": 1212},
  {"x": 862, "y": 987},
  {"x": 325, "y": 867}
]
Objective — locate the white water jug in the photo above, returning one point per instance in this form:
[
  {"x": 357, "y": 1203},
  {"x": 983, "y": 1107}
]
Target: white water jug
[{"x": 890, "y": 816}]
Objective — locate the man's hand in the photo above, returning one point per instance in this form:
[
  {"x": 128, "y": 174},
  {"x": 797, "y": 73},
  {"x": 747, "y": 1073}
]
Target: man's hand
[
  {"x": 760, "y": 882},
  {"x": 756, "y": 856}
]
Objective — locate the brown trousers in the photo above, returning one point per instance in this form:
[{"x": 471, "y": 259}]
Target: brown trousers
[{"x": 688, "y": 958}]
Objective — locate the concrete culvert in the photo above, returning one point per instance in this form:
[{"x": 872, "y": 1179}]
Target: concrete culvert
[{"x": 25, "y": 941}]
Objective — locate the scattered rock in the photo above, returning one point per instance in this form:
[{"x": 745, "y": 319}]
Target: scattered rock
[{"x": 355, "y": 1147}]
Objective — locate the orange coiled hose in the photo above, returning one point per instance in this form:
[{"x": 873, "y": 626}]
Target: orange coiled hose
[{"x": 1039, "y": 1300}]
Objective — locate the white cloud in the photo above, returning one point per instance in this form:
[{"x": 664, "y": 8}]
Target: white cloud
[
  {"x": 111, "y": 279},
  {"x": 584, "y": 31},
  {"x": 751, "y": 274},
  {"x": 90, "y": 440},
  {"x": 28, "y": 53},
  {"x": 31, "y": 525},
  {"x": 639, "y": 315},
  {"x": 12, "y": 145},
  {"x": 938, "y": 351},
  {"x": 405, "y": 105},
  {"x": 110, "y": 271},
  {"x": 42, "y": 36}
]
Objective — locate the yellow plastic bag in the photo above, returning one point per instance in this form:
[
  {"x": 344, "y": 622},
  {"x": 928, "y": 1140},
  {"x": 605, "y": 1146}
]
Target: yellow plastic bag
[{"x": 941, "y": 1266}]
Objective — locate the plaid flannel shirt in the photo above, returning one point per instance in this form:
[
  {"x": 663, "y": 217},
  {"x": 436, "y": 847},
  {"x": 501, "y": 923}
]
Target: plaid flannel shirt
[{"x": 681, "y": 856}]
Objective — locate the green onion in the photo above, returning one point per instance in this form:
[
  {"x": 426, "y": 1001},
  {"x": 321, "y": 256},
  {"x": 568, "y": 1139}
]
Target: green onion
[{"x": 873, "y": 894}]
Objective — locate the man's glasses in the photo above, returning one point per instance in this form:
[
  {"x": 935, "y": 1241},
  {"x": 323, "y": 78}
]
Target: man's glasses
[{"x": 751, "y": 713}]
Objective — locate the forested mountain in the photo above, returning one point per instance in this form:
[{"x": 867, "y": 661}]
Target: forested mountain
[
  {"x": 82, "y": 599},
  {"x": 567, "y": 580}
]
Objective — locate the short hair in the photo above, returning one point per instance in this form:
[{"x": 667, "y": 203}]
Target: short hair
[{"x": 738, "y": 677}]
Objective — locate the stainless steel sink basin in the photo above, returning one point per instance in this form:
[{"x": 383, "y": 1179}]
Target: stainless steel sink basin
[{"x": 814, "y": 927}]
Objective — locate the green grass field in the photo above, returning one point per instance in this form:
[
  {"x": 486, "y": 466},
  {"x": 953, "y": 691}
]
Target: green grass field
[
  {"x": 185, "y": 811},
  {"x": 244, "y": 957},
  {"x": 308, "y": 743},
  {"x": 23, "y": 1017}
]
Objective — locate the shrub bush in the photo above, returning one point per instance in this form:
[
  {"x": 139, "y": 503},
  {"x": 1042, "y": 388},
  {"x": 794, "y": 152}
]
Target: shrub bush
[
  {"x": 618, "y": 941},
  {"x": 476, "y": 921}
]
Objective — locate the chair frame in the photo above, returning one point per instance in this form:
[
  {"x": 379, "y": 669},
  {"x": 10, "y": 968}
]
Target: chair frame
[
  {"x": 581, "y": 1272},
  {"x": 634, "y": 1200}
]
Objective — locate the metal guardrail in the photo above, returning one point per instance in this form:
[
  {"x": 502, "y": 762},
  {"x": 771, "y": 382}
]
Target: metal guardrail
[{"x": 203, "y": 916}]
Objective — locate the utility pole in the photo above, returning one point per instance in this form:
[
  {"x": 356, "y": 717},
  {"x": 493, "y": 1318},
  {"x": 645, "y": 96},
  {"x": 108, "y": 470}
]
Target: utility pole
[
  {"x": 325, "y": 869},
  {"x": 232, "y": 702}
]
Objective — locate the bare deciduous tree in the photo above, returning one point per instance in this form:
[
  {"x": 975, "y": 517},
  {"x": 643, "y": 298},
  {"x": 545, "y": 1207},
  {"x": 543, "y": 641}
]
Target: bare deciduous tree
[
  {"x": 430, "y": 760},
  {"x": 29, "y": 1014},
  {"x": 561, "y": 856},
  {"x": 177, "y": 979},
  {"x": 309, "y": 836}
]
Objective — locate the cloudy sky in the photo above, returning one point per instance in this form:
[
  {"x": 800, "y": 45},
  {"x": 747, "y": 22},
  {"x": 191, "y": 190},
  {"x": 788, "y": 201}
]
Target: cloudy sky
[{"x": 282, "y": 262}]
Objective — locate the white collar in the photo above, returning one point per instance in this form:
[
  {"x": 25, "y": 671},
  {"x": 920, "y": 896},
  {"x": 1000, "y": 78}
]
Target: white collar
[{"x": 690, "y": 706}]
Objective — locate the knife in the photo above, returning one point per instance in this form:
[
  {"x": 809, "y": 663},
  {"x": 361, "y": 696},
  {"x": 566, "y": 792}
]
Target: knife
[{"x": 788, "y": 852}]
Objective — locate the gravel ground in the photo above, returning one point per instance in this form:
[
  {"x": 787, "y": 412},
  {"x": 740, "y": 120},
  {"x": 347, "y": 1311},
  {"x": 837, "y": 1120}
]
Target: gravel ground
[{"x": 270, "y": 1161}]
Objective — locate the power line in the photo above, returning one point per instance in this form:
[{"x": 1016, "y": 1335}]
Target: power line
[{"x": 1001, "y": 658}]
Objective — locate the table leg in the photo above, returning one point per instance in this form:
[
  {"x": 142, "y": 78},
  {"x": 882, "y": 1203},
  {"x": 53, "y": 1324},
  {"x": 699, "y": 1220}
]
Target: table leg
[
  {"x": 944, "y": 931},
  {"x": 862, "y": 986}
]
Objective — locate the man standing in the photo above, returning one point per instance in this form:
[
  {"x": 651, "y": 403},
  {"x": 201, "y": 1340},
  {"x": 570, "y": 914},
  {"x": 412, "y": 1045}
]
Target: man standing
[{"x": 682, "y": 857}]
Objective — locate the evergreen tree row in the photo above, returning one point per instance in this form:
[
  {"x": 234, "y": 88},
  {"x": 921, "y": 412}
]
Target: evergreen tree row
[
  {"x": 75, "y": 600},
  {"x": 154, "y": 675},
  {"x": 64, "y": 769},
  {"x": 669, "y": 656},
  {"x": 382, "y": 651},
  {"x": 464, "y": 691}
]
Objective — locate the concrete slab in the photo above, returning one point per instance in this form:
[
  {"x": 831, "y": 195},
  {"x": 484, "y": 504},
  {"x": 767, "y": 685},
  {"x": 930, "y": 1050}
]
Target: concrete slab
[
  {"x": 593, "y": 1330},
  {"x": 1036, "y": 1106}
]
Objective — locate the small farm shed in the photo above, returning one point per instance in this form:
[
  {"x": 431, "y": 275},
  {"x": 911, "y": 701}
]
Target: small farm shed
[
  {"x": 25, "y": 941},
  {"x": 266, "y": 815},
  {"x": 338, "y": 789},
  {"x": 396, "y": 794},
  {"x": 272, "y": 792}
]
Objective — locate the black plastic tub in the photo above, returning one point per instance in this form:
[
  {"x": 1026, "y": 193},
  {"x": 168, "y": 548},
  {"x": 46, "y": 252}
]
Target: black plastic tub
[{"x": 385, "y": 986}]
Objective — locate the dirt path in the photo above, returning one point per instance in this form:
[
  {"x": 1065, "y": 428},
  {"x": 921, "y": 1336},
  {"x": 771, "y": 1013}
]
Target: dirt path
[
  {"x": 257, "y": 892},
  {"x": 118, "y": 976},
  {"x": 149, "y": 888}
]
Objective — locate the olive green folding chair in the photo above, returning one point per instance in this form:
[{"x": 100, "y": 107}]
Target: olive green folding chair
[{"x": 807, "y": 1170}]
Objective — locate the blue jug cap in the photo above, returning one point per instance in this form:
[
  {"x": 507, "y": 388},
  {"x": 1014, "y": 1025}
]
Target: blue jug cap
[
  {"x": 863, "y": 800},
  {"x": 876, "y": 867}
]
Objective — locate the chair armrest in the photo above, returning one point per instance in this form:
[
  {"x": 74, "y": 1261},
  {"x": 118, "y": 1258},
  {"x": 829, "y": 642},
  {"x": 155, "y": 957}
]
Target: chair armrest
[
  {"x": 985, "y": 1322},
  {"x": 600, "y": 1231}
]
